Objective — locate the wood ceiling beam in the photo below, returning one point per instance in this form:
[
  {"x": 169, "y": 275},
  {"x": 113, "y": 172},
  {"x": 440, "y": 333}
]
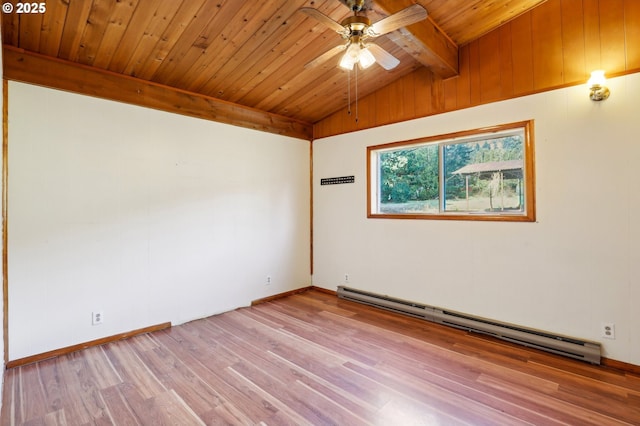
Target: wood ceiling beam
[
  {"x": 425, "y": 41},
  {"x": 41, "y": 70}
]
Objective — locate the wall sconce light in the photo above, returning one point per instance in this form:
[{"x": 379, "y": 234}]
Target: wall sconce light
[{"x": 597, "y": 90}]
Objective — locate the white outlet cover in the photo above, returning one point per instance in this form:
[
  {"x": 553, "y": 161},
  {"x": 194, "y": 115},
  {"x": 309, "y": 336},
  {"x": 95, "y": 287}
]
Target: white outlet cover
[
  {"x": 608, "y": 330},
  {"x": 97, "y": 318}
]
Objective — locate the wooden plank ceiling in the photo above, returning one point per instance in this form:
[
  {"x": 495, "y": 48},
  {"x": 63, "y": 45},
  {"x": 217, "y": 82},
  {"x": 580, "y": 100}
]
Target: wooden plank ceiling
[{"x": 250, "y": 53}]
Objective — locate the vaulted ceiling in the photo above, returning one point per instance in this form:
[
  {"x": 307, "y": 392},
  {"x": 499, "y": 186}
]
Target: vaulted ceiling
[{"x": 251, "y": 53}]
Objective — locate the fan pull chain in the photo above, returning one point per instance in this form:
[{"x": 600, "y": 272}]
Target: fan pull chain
[
  {"x": 349, "y": 92},
  {"x": 356, "y": 67}
]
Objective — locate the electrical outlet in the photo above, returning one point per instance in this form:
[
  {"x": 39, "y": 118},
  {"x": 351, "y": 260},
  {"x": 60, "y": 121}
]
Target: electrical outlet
[
  {"x": 608, "y": 330},
  {"x": 268, "y": 280},
  {"x": 97, "y": 317},
  {"x": 346, "y": 278}
]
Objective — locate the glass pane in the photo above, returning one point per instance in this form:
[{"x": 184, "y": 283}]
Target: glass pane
[
  {"x": 484, "y": 176},
  {"x": 409, "y": 180}
]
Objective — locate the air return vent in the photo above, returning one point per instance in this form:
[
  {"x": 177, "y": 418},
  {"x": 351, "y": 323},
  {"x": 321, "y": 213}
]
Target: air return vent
[{"x": 561, "y": 345}]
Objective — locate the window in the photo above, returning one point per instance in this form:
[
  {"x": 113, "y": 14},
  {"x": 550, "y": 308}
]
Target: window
[{"x": 484, "y": 174}]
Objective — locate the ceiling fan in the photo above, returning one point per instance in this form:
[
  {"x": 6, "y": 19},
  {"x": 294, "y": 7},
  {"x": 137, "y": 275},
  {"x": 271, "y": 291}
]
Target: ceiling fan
[{"x": 357, "y": 30}]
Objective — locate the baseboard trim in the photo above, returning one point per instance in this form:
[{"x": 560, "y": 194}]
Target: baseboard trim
[
  {"x": 622, "y": 366},
  {"x": 324, "y": 290},
  {"x": 606, "y": 362},
  {"x": 280, "y": 295},
  {"x": 69, "y": 349},
  {"x": 291, "y": 293}
]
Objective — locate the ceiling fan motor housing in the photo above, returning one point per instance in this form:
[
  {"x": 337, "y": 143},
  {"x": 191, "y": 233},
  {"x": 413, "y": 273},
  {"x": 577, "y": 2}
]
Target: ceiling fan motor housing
[
  {"x": 355, "y": 5},
  {"x": 356, "y": 24}
]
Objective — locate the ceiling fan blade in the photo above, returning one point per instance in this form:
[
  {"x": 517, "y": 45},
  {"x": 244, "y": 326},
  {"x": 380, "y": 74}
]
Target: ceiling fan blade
[
  {"x": 324, "y": 19},
  {"x": 385, "y": 59},
  {"x": 408, "y": 16},
  {"x": 326, "y": 56}
]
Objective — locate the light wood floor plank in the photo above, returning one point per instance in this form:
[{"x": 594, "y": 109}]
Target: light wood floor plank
[{"x": 312, "y": 358}]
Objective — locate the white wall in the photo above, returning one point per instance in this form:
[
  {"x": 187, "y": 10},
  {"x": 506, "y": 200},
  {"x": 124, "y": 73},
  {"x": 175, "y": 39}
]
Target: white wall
[
  {"x": 155, "y": 217},
  {"x": 145, "y": 215},
  {"x": 576, "y": 267}
]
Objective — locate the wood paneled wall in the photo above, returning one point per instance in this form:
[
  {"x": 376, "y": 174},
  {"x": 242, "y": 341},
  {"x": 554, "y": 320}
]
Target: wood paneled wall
[{"x": 557, "y": 44}]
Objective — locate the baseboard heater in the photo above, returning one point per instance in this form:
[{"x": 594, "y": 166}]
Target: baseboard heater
[{"x": 561, "y": 345}]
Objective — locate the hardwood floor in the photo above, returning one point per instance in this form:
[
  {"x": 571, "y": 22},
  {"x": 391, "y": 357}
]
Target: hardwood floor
[{"x": 312, "y": 358}]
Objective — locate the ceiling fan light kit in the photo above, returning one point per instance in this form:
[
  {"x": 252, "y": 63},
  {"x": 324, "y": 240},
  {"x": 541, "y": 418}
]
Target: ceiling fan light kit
[{"x": 357, "y": 53}]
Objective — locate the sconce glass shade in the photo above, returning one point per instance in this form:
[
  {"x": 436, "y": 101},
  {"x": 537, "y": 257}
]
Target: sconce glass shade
[
  {"x": 597, "y": 78},
  {"x": 597, "y": 90}
]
